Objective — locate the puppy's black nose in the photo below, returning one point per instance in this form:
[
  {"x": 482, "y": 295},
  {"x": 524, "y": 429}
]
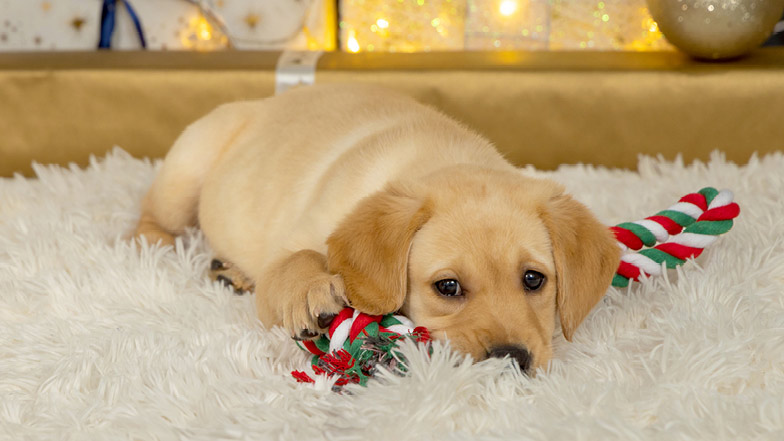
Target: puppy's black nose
[{"x": 518, "y": 353}]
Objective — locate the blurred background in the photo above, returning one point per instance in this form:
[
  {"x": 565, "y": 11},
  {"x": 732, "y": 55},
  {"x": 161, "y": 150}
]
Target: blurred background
[
  {"x": 548, "y": 81},
  {"x": 345, "y": 25}
]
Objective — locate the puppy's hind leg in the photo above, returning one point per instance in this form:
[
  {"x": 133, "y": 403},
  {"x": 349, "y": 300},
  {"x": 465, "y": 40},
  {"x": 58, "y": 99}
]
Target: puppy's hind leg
[
  {"x": 229, "y": 275},
  {"x": 172, "y": 202},
  {"x": 149, "y": 228}
]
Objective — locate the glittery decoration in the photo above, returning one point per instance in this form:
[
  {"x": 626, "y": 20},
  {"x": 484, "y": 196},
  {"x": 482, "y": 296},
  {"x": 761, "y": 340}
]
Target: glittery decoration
[
  {"x": 716, "y": 29},
  {"x": 78, "y": 22},
  {"x": 251, "y": 20},
  {"x": 201, "y": 35},
  {"x": 402, "y": 25},
  {"x": 251, "y": 24},
  {"x": 604, "y": 25},
  {"x": 507, "y": 24}
]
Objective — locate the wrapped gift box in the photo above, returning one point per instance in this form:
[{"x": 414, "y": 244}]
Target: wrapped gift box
[
  {"x": 68, "y": 25},
  {"x": 441, "y": 25},
  {"x": 365, "y": 25},
  {"x": 540, "y": 108}
]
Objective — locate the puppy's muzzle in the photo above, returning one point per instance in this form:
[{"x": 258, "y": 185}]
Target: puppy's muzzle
[{"x": 517, "y": 353}]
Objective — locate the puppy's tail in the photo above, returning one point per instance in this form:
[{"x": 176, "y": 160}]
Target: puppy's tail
[{"x": 172, "y": 202}]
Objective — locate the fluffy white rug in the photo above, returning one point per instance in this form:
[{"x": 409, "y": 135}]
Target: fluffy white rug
[{"x": 99, "y": 341}]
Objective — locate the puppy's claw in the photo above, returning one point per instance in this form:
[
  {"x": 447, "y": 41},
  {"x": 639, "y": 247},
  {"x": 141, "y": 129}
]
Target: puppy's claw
[
  {"x": 306, "y": 334},
  {"x": 324, "y": 320},
  {"x": 216, "y": 265},
  {"x": 224, "y": 280}
]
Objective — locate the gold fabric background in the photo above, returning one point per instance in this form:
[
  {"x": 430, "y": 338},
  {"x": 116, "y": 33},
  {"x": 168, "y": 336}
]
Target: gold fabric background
[{"x": 542, "y": 108}]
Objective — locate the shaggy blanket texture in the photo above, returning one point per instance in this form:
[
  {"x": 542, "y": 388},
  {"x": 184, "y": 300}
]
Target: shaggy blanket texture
[{"x": 101, "y": 341}]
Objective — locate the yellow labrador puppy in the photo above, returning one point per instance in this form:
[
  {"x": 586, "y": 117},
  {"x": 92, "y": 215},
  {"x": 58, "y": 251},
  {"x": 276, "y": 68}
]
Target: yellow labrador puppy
[{"x": 354, "y": 194}]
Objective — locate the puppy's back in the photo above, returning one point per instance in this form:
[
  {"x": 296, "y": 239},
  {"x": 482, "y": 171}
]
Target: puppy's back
[{"x": 305, "y": 158}]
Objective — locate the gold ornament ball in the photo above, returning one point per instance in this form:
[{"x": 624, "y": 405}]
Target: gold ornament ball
[{"x": 716, "y": 29}]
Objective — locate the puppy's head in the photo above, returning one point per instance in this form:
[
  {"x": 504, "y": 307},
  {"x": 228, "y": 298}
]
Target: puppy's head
[{"x": 485, "y": 258}]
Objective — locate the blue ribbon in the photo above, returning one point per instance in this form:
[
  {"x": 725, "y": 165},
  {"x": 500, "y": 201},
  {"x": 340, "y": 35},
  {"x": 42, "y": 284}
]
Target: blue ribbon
[{"x": 108, "y": 19}]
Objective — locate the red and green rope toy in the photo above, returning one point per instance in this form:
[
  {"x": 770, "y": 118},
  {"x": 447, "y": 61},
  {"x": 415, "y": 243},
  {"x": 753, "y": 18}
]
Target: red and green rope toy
[
  {"x": 682, "y": 232},
  {"x": 356, "y": 343}
]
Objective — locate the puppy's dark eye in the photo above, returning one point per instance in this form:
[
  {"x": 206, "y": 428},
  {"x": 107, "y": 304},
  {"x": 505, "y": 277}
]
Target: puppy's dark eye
[
  {"x": 533, "y": 280},
  {"x": 448, "y": 288}
]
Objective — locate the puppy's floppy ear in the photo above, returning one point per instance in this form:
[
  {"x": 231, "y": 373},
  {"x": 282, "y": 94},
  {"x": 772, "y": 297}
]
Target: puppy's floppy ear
[
  {"x": 371, "y": 245},
  {"x": 586, "y": 256}
]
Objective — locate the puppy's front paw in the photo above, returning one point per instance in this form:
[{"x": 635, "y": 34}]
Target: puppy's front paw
[{"x": 310, "y": 312}]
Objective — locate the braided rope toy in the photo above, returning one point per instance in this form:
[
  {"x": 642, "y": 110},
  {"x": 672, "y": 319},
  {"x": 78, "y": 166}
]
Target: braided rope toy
[
  {"x": 682, "y": 231},
  {"x": 357, "y": 343}
]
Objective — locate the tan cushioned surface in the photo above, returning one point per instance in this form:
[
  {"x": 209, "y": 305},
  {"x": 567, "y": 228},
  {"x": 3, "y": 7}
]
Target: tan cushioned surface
[{"x": 542, "y": 108}]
